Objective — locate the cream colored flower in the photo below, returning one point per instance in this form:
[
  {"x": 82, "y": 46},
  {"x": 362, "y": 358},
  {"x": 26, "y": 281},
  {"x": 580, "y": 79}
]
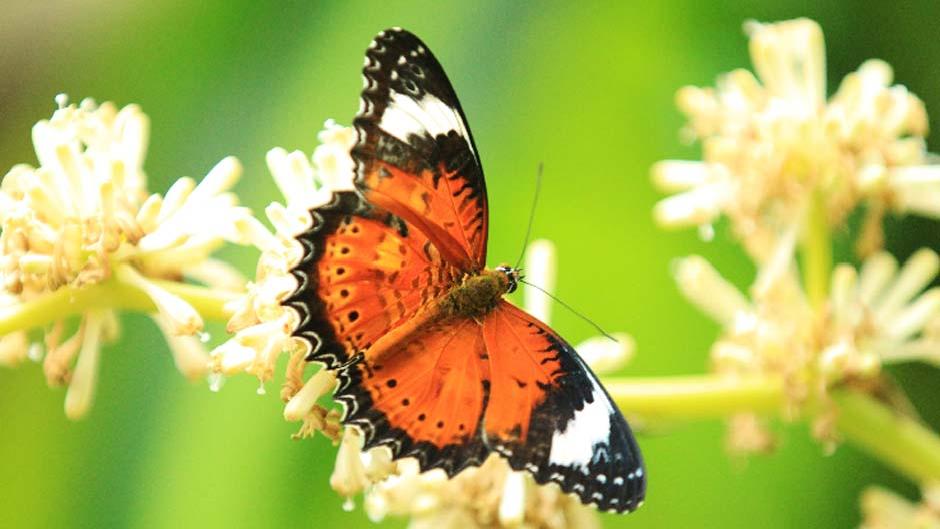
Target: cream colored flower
[
  {"x": 878, "y": 315},
  {"x": 884, "y": 509},
  {"x": 491, "y": 495},
  {"x": 772, "y": 142},
  {"x": 83, "y": 218},
  {"x": 262, "y": 327},
  {"x": 883, "y": 311}
]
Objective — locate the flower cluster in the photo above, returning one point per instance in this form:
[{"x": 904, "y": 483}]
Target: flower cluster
[
  {"x": 491, "y": 495},
  {"x": 80, "y": 235},
  {"x": 772, "y": 142},
  {"x": 879, "y": 314},
  {"x": 261, "y": 326},
  {"x": 786, "y": 166}
]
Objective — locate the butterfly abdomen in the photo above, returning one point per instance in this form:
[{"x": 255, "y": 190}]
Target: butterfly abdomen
[{"x": 475, "y": 296}]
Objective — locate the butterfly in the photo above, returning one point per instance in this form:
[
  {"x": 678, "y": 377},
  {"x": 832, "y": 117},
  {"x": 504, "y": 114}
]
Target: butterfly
[{"x": 394, "y": 294}]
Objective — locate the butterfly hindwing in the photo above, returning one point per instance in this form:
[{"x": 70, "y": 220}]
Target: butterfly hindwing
[
  {"x": 363, "y": 273},
  {"x": 450, "y": 391},
  {"x": 423, "y": 396},
  {"x": 561, "y": 424},
  {"x": 415, "y": 156}
]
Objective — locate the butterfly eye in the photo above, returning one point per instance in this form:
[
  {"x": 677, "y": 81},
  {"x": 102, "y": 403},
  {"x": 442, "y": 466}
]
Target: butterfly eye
[{"x": 512, "y": 275}]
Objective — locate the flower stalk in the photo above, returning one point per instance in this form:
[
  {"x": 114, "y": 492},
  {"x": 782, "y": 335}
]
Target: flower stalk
[
  {"x": 110, "y": 294},
  {"x": 695, "y": 397},
  {"x": 896, "y": 439},
  {"x": 817, "y": 252}
]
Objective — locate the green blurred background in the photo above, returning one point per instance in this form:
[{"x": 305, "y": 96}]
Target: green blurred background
[{"x": 587, "y": 90}]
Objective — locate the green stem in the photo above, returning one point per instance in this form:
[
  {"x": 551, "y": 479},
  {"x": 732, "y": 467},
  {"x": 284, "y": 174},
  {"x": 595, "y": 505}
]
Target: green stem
[
  {"x": 110, "y": 294},
  {"x": 895, "y": 439},
  {"x": 695, "y": 397},
  {"x": 210, "y": 303},
  {"x": 817, "y": 251}
]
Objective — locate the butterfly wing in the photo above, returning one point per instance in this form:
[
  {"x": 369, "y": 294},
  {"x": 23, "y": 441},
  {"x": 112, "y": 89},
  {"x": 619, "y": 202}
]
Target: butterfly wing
[
  {"x": 549, "y": 415},
  {"x": 363, "y": 273},
  {"x": 422, "y": 392},
  {"x": 415, "y": 156},
  {"x": 370, "y": 264},
  {"x": 448, "y": 392}
]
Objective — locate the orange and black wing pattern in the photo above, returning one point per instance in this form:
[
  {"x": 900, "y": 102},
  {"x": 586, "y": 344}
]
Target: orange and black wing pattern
[
  {"x": 549, "y": 415},
  {"x": 424, "y": 396},
  {"x": 382, "y": 267},
  {"x": 363, "y": 273},
  {"x": 415, "y": 155},
  {"x": 448, "y": 392}
]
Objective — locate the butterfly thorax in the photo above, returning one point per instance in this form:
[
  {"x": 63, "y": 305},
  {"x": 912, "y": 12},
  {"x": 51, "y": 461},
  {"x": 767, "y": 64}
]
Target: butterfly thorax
[{"x": 478, "y": 294}]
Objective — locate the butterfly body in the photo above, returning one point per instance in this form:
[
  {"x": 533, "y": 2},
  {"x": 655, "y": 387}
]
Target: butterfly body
[
  {"x": 393, "y": 293},
  {"x": 477, "y": 295}
]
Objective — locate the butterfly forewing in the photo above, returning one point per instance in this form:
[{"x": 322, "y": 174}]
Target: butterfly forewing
[
  {"x": 415, "y": 156},
  {"x": 363, "y": 273}
]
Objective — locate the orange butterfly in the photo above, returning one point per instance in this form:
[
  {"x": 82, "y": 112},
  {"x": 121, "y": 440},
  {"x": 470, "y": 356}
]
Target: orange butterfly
[{"x": 394, "y": 294}]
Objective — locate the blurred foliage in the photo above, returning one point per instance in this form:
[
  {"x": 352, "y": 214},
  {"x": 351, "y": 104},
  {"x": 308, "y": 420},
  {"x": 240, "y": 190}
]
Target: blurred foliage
[{"x": 587, "y": 90}]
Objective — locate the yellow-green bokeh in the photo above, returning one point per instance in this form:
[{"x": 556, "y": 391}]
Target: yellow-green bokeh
[{"x": 586, "y": 89}]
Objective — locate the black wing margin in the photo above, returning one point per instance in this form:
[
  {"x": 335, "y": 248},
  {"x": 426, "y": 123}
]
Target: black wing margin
[
  {"x": 570, "y": 432},
  {"x": 415, "y": 155}
]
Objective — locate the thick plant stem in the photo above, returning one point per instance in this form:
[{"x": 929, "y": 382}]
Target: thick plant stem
[
  {"x": 695, "y": 397},
  {"x": 895, "y": 439},
  {"x": 817, "y": 252},
  {"x": 113, "y": 294}
]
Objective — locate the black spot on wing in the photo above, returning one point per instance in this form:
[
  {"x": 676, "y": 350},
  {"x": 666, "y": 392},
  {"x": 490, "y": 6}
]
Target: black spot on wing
[
  {"x": 314, "y": 327},
  {"x": 378, "y": 431}
]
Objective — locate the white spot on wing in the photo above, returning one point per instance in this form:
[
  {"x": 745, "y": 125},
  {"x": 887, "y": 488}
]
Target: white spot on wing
[
  {"x": 430, "y": 116},
  {"x": 590, "y": 426}
]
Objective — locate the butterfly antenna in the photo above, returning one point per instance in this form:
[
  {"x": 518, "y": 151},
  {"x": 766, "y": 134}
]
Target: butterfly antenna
[
  {"x": 535, "y": 201},
  {"x": 569, "y": 307}
]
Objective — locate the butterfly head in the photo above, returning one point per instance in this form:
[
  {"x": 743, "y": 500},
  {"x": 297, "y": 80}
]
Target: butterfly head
[{"x": 513, "y": 275}]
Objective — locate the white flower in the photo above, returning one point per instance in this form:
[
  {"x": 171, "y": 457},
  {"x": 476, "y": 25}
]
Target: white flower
[
  {"x": 772, "y": 142},
  {"x": 884, "y": 509},
  {"x": 262, "y": 326},
  {"x": 83, "y": 218},
  {"x": 883, "y": 311},
  {"x": 878, "y": 315},
  {"x": 491, "y": 495}
]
